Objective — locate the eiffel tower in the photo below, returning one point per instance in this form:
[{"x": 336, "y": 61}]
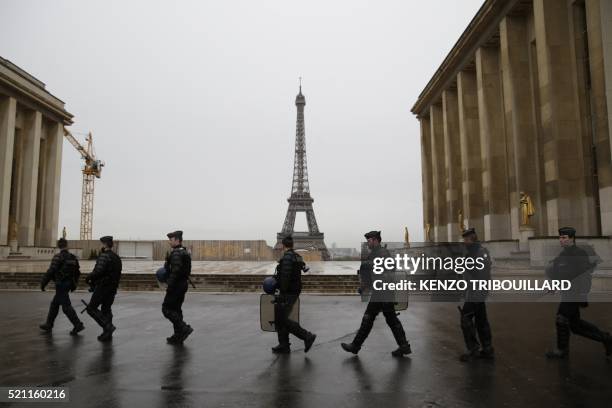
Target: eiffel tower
[{"x": 300, "y": 200}]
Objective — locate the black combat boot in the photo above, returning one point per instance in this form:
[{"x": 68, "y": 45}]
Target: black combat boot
[
  {"x": 74, "y": 319},
  {"x": 176, "y": 319},
  {"x": 402, "y": 350},
  {"x": 180, "y": 336},
  {"x": 109, "y": 328},
  {"x": 350, "y": 347},
  {"x": 298, "y": 331},
  {"x": 281, "y": 349},
  {"x": 283, "y": 341},
  {"x": 47, "y": 326},
  {"x": 187, "y": 330},
  {"x": 53, "y": 311},
  {"x": 364, "y": 330},
  {"x": 79, "y": 327},
  {"x": 484, "y": 334},
  {"x": 174, "y": 339},
  {"x": 309, "y": 341},
  {"x": 563, "y": 336},
  {"x": 400, "y": 337},
  {"x": 107, "y": 333}
]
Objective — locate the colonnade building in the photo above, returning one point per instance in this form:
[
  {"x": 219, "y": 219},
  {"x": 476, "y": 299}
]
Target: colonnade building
[
  {"x": 31, "y": 136},
  {"x": 515, "y": 124}
]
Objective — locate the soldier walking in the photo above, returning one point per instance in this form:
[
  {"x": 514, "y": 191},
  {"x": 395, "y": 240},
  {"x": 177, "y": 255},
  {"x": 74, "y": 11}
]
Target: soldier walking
[
  {"x": 64, "y": 271},
  {"x": 474, "y": 311},
  {"x": 178, "y": 267},
  {"x": 573, "y": 264},
  {"x": 104, "y": 280},
  {"x": 289, "y": 277},
  {"x": 376, "y": 304}
]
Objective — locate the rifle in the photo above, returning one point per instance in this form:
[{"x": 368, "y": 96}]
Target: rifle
[{"x": 86, "y": 306}]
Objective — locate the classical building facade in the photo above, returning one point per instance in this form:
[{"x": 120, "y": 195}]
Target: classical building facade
[
  {"x": 520, "y": 109},
  {"x": 31, "y": 136}
]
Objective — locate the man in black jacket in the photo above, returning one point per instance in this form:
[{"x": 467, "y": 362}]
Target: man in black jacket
[
  {"x": 289, "y": 277},
  {"x": 178, "y": 265},
  {"x": 474, "y": 311},
  {"x": 64, "y": 270},
  {"x": 573, "y": 264},
  {"x": 377, "y": 305},
  {"x": 104, "y": 279}
]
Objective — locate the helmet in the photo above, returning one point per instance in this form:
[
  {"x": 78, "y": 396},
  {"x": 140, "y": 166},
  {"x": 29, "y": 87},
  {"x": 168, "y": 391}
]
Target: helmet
[
  {"x": 162, "y": 274},
  {"x": 270, "y": 284}
]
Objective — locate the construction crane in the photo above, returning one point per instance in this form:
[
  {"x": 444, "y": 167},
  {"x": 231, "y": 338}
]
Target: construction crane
[{"x": 91, "y": 170}]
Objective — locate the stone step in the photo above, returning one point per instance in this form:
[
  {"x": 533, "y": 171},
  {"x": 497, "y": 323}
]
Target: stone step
[
  {"x": 204, "y": 283},
  {"x": 519, "y": 256}
]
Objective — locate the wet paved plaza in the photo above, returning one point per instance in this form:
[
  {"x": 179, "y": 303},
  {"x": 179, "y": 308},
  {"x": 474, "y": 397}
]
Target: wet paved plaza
[{"x": 227, "y": 360}]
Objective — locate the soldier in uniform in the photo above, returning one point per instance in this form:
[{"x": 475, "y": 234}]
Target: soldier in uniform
[
  {"x": 573, "y": 264},
  {"x": 474, "y": 311},
  {"x": 64, "y": 270},
  {"x": 178, "y": 265},
  {"x": 375, "y": 306},
  {"x": 289, "y": 277},
  {"x": 104, "y": 280}
]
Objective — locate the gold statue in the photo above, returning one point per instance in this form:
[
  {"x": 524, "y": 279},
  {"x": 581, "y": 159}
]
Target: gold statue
[
  {"x": 427, "y": 230},
  {"x": 527, "y": 208},
  {"x": 461, "y": 221},
  {"x": 406, "y": 238},
  {"x": 12, "y": 230},
  {"x": 64, "y": 232}
]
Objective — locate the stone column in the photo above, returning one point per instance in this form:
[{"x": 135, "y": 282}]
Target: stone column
[
  {"x": 605, "y": 18},
  {"x": 41, "y": 192},
  {"x": 493, "y": 145},
  {"x": 426, "y": 176},
  {"x": 439, "y": 229},
  {"x": 519, "y": 123},
  {"x": 8, "y": 111},
  {"x": 471, "y": 163},
  {"x": 55, "y": 139},
  {"x": 452, "y": 160},
  {"x": 561, "y": 128},
  {"x": 27, "y": 202},
  {"x": 599, "y": 29}
]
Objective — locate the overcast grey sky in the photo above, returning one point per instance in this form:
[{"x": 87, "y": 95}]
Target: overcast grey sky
[{"x": 191, "y": 104}]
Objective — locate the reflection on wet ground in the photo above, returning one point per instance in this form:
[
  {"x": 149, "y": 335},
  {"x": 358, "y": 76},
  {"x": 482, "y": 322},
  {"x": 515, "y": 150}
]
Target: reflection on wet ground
[{"x": 227, "y": 361}]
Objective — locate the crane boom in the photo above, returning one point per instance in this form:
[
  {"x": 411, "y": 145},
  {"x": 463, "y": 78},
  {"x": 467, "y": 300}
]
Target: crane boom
[
  {"x": 91, "y": 170},
  {"x": 76, "y": 145}
]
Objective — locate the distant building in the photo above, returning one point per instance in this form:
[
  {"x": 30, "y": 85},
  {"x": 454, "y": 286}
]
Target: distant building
[
  {"x": 343, "y": 253},
  {"x": 521, "y": 104},
  {"x": 31, "y": 137}
]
